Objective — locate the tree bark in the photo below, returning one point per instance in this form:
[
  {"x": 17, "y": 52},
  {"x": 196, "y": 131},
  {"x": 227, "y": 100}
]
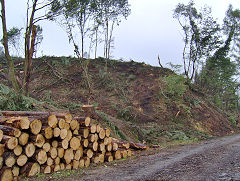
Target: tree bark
[{"x": 7, "y": 55}]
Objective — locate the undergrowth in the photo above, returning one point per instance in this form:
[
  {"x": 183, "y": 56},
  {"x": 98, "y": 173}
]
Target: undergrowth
[{"x": 10, "y": 100}]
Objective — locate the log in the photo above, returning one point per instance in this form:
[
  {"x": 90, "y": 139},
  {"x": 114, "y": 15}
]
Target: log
[
  {"x": 9, "y": 131},
  {"x": 10, "y": 142},
  {"x": 81, "y": 163},
  {"x": 84, "y": 132},
  {"x": 22, "y": 160},
  {"x": 88, "y": 109},
  {"x": 67, "y": 126},
  {"x": 18, "y": 150},
  {"x": 53, "y": 153},
  {"x": 88, "y": 152},
  {"x": 101, "y": 158},
  {"x": 93, "y": 128},
  {"x": 86, "y": 162},
  {"x": 102, "y": 134},
  {"x": 69, "y": 155},
  {"x": 83, "y": 121},
  {"x": 91, "y": 138},
  {"x": 95, "y": 159},
  {"x": 62, "y": 166},
  {"x": 15, "y": 171},
  {"x": 30, "y": 169},
  {"x": 108, "y": 132},
  {"x": 69, "y": 135},
  {"x": 108, "y": 157},
  {"x": 74, "y": 124},
  {"x": 85, "y": 143},
  {"x": 52, "y": 121},
  {"x": 98, "y": 128},
  {"x": 68, "y": 166},
  {"x": 124, "y": 153},
  {"x": 2, "y": 149},
  {"x": 30, "y": 150},
  {"x": 60, "y": 152},
  {"x": 75, "y": 143},
  {"x": 138, "y": 146},
  {"x": 56, "y": 132},
  {"x": 55, "y": 143},
  {"x": 1, "y": 135},
  {"x": 50, "y": 161},
  {"x": 38, "y": 140},
  {"x": 63, "y": 133},
  {"x": 23, "y": 139},
  {"x": 46, "y": 169},
  {"x": 75, "y": 132},
  {"x": 106, "y": 141},
  {"x": 57, "y": 168},
  {"x": 48, "y": 132},
  {"x": 75, "y": 164},
  {"x": 109, "y": 147},
  {"x": 36, "y": 126},
  {"x": 57, "y": 161},
  {"x": 61, "y": 123},
  {"x": 6, "y": 174},
  {"x": 129, "y": 152},
  {"x": 41, "y": 157},
  {"x": 35, "y": 114},
  {"x": 1, "y": 162},
  {"x": 78, "y": 153},
  {"x": 9, "y": 159},
  {"x": 67, "y": 117},
  {"x": 114, "y": 146},
  {"x": 16, "y": 122},
  {"x": 121, "y": 143},
  {"x": 102, "y": 147},
  {"x": 46, "y": 147},
  {"x": 93, "y": 146},
  {"x": 65, "y": 143},
  {"x": 117, "y": 155}
]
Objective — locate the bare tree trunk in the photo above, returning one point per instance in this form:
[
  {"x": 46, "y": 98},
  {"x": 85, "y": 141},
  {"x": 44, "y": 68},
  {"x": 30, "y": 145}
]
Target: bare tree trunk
[
  {"x": 30, "y": 29},
  {"x": 5, "y": 44},
  {"x": 110, "y": 40},
  {"x": 96, "y": 45}
]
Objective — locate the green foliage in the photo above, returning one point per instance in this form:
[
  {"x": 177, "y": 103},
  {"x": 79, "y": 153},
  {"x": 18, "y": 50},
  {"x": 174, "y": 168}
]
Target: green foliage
[
  {"x": 175, "y": 85},
  {"x": 200, "y": 35},
  {"x": 233, "y": 119},
  {"x": 113, "y": 127},
  {"x": 10, "y": 100},
  {"x": 126, "y": 114},
  {"x": 177, "y": 135}
]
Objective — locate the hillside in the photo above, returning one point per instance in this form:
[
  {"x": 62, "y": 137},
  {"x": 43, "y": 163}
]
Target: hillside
[{"x": 137, "y": 101}]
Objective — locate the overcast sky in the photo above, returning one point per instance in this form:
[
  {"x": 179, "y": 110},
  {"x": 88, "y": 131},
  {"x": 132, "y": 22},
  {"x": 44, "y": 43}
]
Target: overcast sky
[{"x": 149, "y": 30}]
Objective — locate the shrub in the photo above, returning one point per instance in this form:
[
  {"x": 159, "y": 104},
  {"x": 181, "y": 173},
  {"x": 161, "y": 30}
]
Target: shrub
[
  {"x": 175, "y": 85},
  {"x": 10, "y": 100}
]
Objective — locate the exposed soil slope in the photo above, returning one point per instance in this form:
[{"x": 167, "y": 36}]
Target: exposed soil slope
[{"x": 132, "y": 92}]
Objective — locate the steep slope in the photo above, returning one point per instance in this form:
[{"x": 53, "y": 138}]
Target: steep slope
[{"x": 139, "y": 102}]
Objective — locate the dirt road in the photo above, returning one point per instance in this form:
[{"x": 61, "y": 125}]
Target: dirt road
[{"x": 216, "y": 159}]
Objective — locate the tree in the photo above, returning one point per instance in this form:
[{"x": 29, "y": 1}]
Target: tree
[
  {"x": 6, "y": 49},
  {"x": 200, "y": 35},
  {"x": 110, "y": 13},
  {"x": 34, "y": 7},
  {"x": 218, "y": 76}
]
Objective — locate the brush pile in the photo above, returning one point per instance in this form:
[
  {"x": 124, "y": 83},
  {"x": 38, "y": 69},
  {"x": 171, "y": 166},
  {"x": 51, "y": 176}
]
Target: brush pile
[{"x": 45, "y": 142}]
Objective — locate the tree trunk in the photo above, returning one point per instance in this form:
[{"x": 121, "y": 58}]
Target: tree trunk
[
  {"x": 7, "y": 55},
  {"x": 29, "y": 49}
]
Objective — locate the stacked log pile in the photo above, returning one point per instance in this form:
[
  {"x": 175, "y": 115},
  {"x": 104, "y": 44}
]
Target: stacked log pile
[{"x": 43, "y": 142}]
